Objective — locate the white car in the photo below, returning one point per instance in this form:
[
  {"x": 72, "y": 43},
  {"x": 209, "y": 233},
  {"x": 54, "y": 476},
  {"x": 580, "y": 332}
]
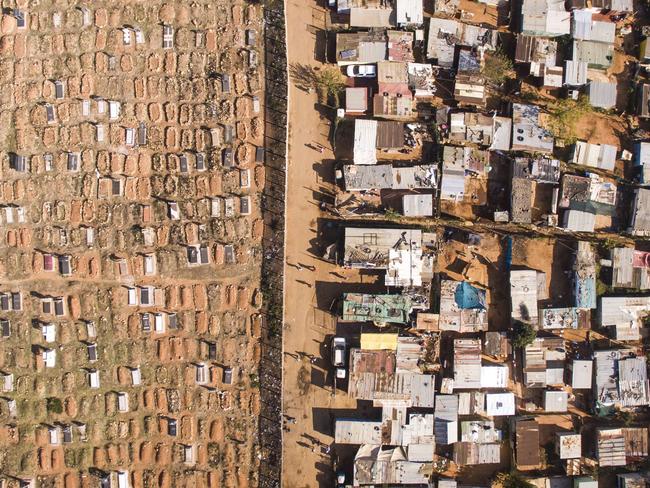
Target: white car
[
  {"x": 362, "y": 71},
  {"x": 339, "y": 353}
]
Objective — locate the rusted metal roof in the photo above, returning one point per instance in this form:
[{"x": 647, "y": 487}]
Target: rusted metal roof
[{"x": 527, "y": 444}]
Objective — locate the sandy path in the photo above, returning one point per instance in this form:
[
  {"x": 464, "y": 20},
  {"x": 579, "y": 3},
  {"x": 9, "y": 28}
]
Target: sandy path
[{"x": 306, "y": 327}]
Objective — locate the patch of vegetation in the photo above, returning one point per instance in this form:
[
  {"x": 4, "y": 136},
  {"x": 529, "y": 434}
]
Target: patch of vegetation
[
  {"x": 304, "y": 380},
  {"x": 214, "y": 455},
  {"x": 523, "y": 334},
  {"x": 564, "y": 114},
  {"x": 601, "y": 288},
  {"x": 328, "y": 81},
  {"x": 70, "y": 458},
  {"x": 391, "y": 214},
  {"x": 625, "y": 417},
  {"x": 513, "y": 479},
  {"x": 497, "y": 67},
  {"x": 54, "y": 405},
  {"x": 254, "y": 380}
]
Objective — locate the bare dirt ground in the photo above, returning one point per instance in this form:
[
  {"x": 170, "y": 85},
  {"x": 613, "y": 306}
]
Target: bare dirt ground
[
  {"x": 112, "y": 205},
  {"x": 308, "y": 294}
]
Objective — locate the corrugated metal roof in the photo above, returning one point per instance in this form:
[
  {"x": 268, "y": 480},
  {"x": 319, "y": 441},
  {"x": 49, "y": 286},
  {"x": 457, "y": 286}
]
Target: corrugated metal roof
[
  {"x": 365, "y": 140},
  {"x": 494, "y": 376},
  {"x": 467, "y": 363},
  {"x": 640, "y": 224},
  {"x": 633, "y": 384},
  {"x": 411, "y": 389},
  {"x": 417, "y": 205},
  {"x": 570, "y": 445},
  {"x": 642, "y": 159},
  {"x": 471, "y": 403},
  {"x": 442, "y": 39},
  {"x": 387, "y": 467},
  {"x": 523, "y": 294},
  {"x": 556, "y": 401},
  {"x": 584, "y": 27},
  {"x": 371, "y": 52},
  {"x": 581, "y": 24},
  {"x": 390, "y": 134},
  {"x": 479, "y": 431},
  {"x": 527, "y": 133},
  {"x": 606, "y": 377},
  {"x": 470, "y": 454},
  {"x": 499, "y": 404},
  {"x": 496, "y": 344},
  {"x": 575, "y": 72},
  {"x": 410, "y": 354},
  {"x": 409, "y": 12},
  {"x": 527, "y": 443},
  {"x": 372, "y": 17},
  {"x": 360, "y": 177},
  {"x": 356, "y": 99},
  {"x": 603, "y": 95},
  {"x": 579, "y": 221},
  {"x": 623, "y": 310},
  {"x": 357, "y": 432},
  {"x": 595, "y": 54},
  {"x": 421, "y": 452},
  {"x": 582, "y": 374},
  {"x": 636, "y": 442},
  {"x": 594, "y": 155},
  {"x": 610, "y": 445}
]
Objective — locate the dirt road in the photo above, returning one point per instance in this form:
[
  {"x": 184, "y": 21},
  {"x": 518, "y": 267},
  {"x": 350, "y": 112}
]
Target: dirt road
[{"x": 307, "y": 375}]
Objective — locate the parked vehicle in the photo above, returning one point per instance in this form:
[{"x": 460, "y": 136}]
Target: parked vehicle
[
  {"x": 339, "y": 356},
  {"x": 362, "y": 71}
]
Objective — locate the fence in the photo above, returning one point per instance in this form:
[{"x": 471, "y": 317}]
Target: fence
[{"x": 273, "y": 207}]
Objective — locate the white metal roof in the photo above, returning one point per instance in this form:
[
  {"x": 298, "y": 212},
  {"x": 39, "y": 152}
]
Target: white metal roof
[
  {"x": 409, "y": 12},
  {"x": 371, "y": 17},
  {"x": 594, "y": 155},
  {"x": 570, "y": 445},
  {"x": 523, "y": 294},
  {"x": 582, "y": 373},
  {"x": 499, "y": 404},
  {"x": 555, "y": 401},
  {"x": 579, "y": 221},
  {"x": 365, "y": 140},
  {"x": 494, "y": 376},
  {"x": 357, "y": 432},
  {"x": 575, "y": 72},
  {"x": 602, "y": 94},
  {"x": 417, "y": 205}
]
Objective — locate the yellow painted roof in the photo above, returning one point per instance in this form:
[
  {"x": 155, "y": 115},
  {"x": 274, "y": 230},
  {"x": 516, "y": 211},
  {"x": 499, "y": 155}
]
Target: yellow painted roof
[{"x": 379, "y": 341}]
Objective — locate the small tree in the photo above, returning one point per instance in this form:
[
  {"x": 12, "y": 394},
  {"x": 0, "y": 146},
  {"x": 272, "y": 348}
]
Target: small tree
[
  {"x": 497, "y": 67},
  {"x": 524, "y": 334},
  {"x": 329, "y": 82}
]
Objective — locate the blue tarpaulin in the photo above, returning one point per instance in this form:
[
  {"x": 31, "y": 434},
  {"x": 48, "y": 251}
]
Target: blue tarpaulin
[{"x": 469, "y": 297}]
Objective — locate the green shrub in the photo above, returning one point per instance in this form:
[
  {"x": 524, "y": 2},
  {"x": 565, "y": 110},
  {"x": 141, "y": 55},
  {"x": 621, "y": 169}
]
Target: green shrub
[{"x": 54, "y": 405}]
